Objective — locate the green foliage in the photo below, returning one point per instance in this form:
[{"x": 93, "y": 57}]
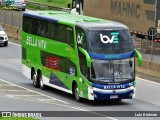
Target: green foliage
[{"x": 56, "y": 3}]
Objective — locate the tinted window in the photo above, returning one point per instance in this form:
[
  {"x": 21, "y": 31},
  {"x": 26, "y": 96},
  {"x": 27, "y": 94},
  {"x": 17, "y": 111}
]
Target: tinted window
[
  {"x": 48, "y": 29},
  {"x": 109, "y": 41},
  {"x": 58, "y": 63},
  {"x": 81, "y": 38},
  {"x": 81, "y": 41}
]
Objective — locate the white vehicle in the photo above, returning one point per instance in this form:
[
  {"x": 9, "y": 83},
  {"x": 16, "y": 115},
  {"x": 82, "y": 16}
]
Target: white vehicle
[
  {"x": 20, "y": 4},
  {"x": 3, "y": 37}
]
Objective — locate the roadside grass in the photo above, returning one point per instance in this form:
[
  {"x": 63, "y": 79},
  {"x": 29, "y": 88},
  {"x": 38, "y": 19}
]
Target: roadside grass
[{"x": 56, "y": 3}]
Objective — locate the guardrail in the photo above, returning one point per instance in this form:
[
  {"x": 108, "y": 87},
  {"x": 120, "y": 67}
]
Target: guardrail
[{"x": 47, "y": 6}]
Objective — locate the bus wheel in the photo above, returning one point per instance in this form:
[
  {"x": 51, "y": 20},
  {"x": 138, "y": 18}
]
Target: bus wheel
[
  {"x": 75, "y": 93},
  {"x": 42, "y": 86},
  {"x": 36, "y": 81}
]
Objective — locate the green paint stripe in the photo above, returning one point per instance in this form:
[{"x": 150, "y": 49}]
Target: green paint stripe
[
  {"x": 115, "y": 42},
  {"x": 115, "y": 39},
  {"x": 115, "y": 33}
]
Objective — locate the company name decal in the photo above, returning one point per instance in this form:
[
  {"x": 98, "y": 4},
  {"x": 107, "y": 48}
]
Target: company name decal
[
  {"x": 110, "y": 87},
  {"x": 113, "y": 87},
  {"x": 114, "y": 39},
  {"x": 36, "y": 42},
  {"x": 126, "y": 9}
]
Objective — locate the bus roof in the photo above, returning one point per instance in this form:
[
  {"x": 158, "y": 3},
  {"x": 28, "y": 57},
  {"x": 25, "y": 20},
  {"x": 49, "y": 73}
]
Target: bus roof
[{"x": 75, "y": 19}]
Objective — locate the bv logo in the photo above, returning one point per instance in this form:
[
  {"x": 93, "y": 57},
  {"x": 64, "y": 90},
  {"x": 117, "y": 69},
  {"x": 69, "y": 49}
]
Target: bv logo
[
  {"x": 114, "y": 39},
  {"x": 80, "y": 38}
]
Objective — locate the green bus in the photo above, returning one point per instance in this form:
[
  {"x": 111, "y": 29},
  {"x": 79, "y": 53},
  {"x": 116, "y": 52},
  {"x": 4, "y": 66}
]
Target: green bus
[{"x": 88, "y": 57}]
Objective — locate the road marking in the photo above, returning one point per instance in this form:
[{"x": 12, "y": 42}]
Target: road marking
[
  {"x": 13, "y": 90},
  {"x": 22, "y": 95},
  {"x": 14, "y": 43},
  {"x": 35, "y": 92},
  {"x": 148, "y": 81},
  {"x": 76, "y": 108}
]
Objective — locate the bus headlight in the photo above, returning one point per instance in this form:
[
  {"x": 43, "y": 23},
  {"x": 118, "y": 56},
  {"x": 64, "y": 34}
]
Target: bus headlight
[{"x": 94, "y": 95}]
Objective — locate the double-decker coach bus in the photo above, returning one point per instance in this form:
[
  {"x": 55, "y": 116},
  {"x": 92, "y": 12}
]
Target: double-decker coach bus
[{"x": 88, "y": 57}]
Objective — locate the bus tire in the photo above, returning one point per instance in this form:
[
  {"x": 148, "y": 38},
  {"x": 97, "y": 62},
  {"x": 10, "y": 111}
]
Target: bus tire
[
  {"x": 42, "y": 86},
  {"x": 36, "y": 82},
  {"x": 75, "y": 93}
]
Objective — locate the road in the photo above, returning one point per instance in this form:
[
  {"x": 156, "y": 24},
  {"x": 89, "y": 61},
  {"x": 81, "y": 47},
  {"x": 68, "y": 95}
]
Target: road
[{"x": 22, "y": 96}]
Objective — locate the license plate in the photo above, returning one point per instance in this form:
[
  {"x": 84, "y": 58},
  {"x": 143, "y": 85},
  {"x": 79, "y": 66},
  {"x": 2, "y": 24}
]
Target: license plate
[{"x": 113, "y": 96}]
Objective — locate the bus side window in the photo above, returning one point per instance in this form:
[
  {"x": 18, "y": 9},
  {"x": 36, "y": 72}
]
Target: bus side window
[
  {"x": 51, "y": 30},
  {"x": 60, "y": 63},
  {"x": 69, "y": 36},
  {"x": 61, "y": 33},
  {"x": 25, "y": 24},
  {"x": 35, "y": 27},
  {"x": 81, "y": 42}
]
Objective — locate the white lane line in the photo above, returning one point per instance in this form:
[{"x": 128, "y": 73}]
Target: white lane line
[
  {"x": 4, "y": 85},
  {"x": 13, "y": 90},
  {"x": 148, "y": 81},
  {"x": 23, "y": 95},
  {"x": 14, "y": 43},
  {"x": 76, "y": 108},
  {"x": 35, "y": 92}
]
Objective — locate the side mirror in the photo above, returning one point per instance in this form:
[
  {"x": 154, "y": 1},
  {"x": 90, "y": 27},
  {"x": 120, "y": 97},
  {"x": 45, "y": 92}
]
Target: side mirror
[
  {"x": 77, "y": 8},
  {"x": 139, "y": 56},
  {"x": 88, "y": 58},
  {"x": 69, "y": 6}
]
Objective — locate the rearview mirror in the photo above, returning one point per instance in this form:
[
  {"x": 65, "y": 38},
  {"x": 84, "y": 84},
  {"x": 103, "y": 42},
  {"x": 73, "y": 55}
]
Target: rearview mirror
[
  {"x": 69, "y": 6},
  {"x": 77, "y": 8},
  {"x": 88, "y": 58},
  {"x": 139, "y": 56}
]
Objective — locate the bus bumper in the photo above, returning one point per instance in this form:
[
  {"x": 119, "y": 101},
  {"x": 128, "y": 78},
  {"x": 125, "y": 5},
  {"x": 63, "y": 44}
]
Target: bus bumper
[{"x": 101, "y": 94}]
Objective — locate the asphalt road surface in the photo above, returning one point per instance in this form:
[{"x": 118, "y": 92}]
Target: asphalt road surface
[{"x": 18, "y": 94}]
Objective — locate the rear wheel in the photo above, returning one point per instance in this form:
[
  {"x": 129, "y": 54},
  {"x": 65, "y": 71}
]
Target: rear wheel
[
  {"x": 42, "y": 86},
  {"x": 36, "y": 82}
]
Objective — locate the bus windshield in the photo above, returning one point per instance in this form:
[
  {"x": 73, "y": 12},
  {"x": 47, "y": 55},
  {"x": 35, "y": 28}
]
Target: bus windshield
[
  {"x": 109, "y": 41},
  {"x": 112, "y": 71}
]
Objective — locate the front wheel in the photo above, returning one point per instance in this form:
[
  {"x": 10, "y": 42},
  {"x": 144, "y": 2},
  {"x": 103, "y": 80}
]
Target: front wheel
[{"x": 76, "y": 94}]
